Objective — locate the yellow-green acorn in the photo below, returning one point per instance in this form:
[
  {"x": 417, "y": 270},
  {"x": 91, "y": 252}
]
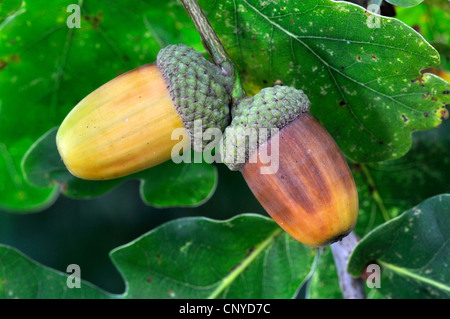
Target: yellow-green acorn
[
  {"x": 310, "y": 192},
  {"x": 126, "y": 125}
]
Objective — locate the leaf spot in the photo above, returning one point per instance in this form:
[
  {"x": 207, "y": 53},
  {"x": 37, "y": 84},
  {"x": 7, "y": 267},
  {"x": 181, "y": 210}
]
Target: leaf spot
[{"x": 405, "y": 119}]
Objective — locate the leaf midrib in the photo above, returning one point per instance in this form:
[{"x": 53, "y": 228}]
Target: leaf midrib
[
  {"x": 229, "y": 279},
  {"x": 330, "y": 67},
  {"x": 408, "y": 273}
]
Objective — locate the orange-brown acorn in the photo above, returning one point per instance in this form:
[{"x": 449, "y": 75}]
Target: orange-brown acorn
[{"x": 292, "y": 165}]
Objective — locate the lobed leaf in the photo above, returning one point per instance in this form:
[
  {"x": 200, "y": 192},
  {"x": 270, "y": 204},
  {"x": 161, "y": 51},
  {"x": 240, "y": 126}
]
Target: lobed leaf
[
  {"x": 247, "y": 256},
  {"x": 361, "y": 71},
  {"x": 412, "y": 250},
  {"x": 22, "y": 278}
]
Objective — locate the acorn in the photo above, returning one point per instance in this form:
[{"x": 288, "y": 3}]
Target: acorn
[
  {"x": 128, "y": 124},
  {"x": 293, "y": 167}
]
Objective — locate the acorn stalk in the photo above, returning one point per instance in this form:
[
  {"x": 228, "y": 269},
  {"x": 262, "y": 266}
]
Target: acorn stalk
[
  {"x": 308, "y": 188},
  {"x": 127, "y": 124}
]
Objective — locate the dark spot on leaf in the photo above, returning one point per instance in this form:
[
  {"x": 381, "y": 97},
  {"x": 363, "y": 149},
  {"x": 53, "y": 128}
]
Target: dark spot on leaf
[
  {"x": 355, "y": 167},
  {"x": 3, "y": 64},
  {"x": 14, "y": 58},
  {"x": 94, "y": 20},
  {"x": 425, "y": 114},
  {"x": 265, "y": 81},
  {"x": 446, "y": 92},
  {"x": 342, "y": 103},
  {"x": 405, "y": 119},
  {"x": 358, "y": 58},
  {"x": 425, "y": 95},
  {"x": 374, "y": 57},
  {"x": 420, "y": 79},
  {"x": 380, "y": 142},
  {"x": 342, "y": 68},
  {"x": 158, "y": 256},
  {"x": 250, "y": 251},
  {"x": 149, "y": 279}
]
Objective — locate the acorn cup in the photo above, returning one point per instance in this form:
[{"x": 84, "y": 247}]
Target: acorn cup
[
  {"x": 305, "y": 184},
  {"x": 130, "y": 123}
]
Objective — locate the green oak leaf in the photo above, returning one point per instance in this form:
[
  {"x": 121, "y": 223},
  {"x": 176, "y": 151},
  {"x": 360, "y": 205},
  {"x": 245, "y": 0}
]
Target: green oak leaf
[
  {"x": 405, "y": 3},
  {"x": 23, "y": 278},
  {"x": 247, "y": 256},
  {"x": 165, "y": 185},
  {"x": 364, "y": 81},
  {"x": 324, "y": 282},
  {"x": 46, "y": 68},
  {"x": 412, "y": 250}
]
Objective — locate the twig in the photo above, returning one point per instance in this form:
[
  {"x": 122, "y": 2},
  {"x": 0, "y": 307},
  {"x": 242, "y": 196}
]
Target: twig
[
  {"x": 352, "y": 288},
  {"x": 214, "y": 47}
]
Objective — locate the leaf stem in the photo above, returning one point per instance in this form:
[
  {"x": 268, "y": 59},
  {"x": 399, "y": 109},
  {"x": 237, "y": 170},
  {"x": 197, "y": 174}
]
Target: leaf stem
[
  {"x": 375, "y": 194},
  {"x": 214, "y": 47},
  {"x": 352, "y": 288}
]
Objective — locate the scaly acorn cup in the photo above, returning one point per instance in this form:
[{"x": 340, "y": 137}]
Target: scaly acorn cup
[
  {"x": 126, "y": 125},
  {"x": 295, "y": 170}
]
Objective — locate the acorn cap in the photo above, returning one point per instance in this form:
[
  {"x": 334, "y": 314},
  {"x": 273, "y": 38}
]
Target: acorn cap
[
  {"x": 198, "y": 89},
  {"x": 126, "y": 125},
  {"x": 272, "y": 107}
]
